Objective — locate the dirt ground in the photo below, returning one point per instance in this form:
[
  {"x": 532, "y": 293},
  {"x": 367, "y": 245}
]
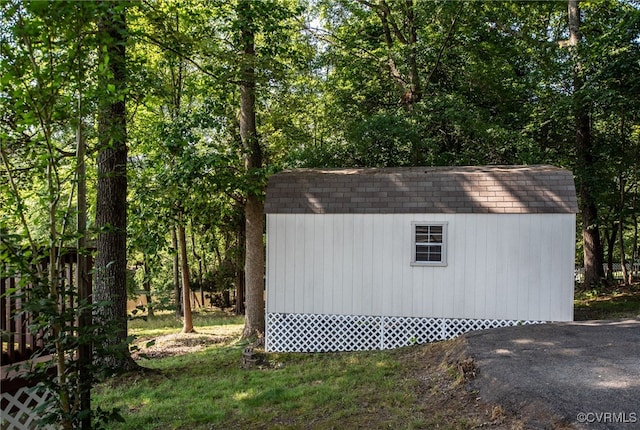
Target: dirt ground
[
  {"x": 176, "y": 344},
  {"x": 445, "y": 370}
]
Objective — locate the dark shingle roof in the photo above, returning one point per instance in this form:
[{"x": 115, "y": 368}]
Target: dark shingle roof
[{"x": 484, "y": 189}]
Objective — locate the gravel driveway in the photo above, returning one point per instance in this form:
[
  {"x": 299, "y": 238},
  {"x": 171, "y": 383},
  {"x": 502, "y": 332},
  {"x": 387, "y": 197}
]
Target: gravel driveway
[{"x": 583, "y": 375}]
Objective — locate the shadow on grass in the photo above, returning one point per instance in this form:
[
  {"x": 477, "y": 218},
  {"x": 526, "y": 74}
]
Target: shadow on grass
[{"x": 593, "y": 305}]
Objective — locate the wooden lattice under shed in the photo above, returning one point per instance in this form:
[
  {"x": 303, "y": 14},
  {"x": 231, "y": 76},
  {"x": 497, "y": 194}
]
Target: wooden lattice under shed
[{"x": 381, "y": 258}]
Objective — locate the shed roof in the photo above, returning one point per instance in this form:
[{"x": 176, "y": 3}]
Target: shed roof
[{"x": 473, "y": 189}]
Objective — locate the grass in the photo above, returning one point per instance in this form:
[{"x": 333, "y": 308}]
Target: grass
[
  {"x": 207, "y": 388},
  {"x": 166, "y": 322},
  {"x": 617, "y": 302}
]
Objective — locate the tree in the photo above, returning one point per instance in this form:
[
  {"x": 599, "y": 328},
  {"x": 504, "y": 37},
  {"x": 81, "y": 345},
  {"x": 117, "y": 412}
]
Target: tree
[
  {"x": 187, "y": 326},
  {"x": 254, "y": 211},
  {"x": 45, "y": 70},
  {"x": 593, "y": 251},
  {"x": 110, "y": 272}
]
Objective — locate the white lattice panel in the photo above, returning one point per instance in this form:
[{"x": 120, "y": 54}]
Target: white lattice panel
[
  {"x": 320, "y": 333},
  {"x": 19, "y": 411}
]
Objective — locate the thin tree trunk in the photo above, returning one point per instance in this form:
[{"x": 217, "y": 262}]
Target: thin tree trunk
[
  {"x": 240, "y": 279},
  {"x": 634, "y": 255},
  {"x": 239, "y": 258},
  {"x": 85, "y": 348},
  {"x": 254, "y": 212},
  {"x": 146, "y": 284},
  {"x": 187, "y": 326},
  {"x": 415, "y": 85},
  {"x": 176, "y": 273},
  {"x": 623, "y": 259},
  {"x": 611, "y": 241},
  {"x": 199, "y": 260},
  {"x": 240, "y": 284},
  {"x": 203, "y": 269},
  {"x": 634, "y": 250}
]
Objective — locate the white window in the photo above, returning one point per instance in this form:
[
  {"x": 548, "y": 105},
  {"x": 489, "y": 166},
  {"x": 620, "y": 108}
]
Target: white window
[{"x": 429, "y": 244}]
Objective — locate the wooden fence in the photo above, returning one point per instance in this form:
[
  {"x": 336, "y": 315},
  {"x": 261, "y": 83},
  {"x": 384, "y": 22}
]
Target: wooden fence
[{"x": 19, "y": 344}]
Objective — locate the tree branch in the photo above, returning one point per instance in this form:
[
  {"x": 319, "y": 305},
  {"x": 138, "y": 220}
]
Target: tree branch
[
  {"x": 180, "y": 54},
  {"x": 396, "y": 31},
  {"x": 445, "y": 43}
]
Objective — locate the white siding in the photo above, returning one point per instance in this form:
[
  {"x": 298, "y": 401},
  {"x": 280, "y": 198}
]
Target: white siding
[{"x": 499, "y": 266}]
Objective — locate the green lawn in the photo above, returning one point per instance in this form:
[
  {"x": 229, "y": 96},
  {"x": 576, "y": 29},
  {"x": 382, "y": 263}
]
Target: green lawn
[
  {"x": 209, "y": 389},
  {"x": 615, "y": 304}
]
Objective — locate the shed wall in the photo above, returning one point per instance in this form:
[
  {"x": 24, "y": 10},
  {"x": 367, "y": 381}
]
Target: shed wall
[{"x": 499, "y": 266}]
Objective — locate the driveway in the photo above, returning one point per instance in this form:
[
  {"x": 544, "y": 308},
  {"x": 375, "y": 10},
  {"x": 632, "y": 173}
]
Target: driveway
[{"x": 583, "y": 375}]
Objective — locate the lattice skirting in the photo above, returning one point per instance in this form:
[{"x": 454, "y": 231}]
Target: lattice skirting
[
  {"x": 18, "y": 410},
  {"x": 319, "y": 333}
]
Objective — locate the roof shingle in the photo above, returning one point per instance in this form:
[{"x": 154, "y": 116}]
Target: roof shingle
[{"x": 473, "y": 189}]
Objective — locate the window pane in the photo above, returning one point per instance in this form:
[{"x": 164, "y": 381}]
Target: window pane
[
  {"x": 428, "y": 234},
  {"x": 435, "y": 256},
  {"x": 424, "y": 229},
  {"x": 428, "y": 253},
  {"x": 422, "y": 238}
]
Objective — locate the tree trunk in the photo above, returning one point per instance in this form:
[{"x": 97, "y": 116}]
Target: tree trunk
[
  {"x": 199, "y": 260},
  {"x": 593, "y": 252},
  {"x": 177, "y": 294},
  {"x": 254, "y": 212},
  {"x": 254, "y": 269},
  {"x": 414, "y": 81},
  {"x": 410, "y": 85},
  {"x": 187, "y": 326},
  {"x": 85, "y": 348},
  {"x": 146, "y": 284},
  {"x": 240, "y": 284},
  {"x": 111, "y": 203},
  {"x": 623, "y": 259},
  {"x": 203, "y": 268},
  {"x": 611, "y": 241},
  {"x": 634, "y": 252},
  {"x": 634, "y": 260}
]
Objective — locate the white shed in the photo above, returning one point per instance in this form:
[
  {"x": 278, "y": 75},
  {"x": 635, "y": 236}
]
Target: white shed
[{"x": 381, "y": 258}]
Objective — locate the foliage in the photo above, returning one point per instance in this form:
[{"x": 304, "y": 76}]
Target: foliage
[{"x": 45, "y": 59}]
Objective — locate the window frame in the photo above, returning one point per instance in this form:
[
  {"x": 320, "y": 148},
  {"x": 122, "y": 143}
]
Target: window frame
[{"x": 443, "y": 246}]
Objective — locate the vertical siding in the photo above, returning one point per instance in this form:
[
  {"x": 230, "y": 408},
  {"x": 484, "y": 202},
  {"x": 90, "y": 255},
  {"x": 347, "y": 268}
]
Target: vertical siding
[
  {"x": 337, "y": 270},
  {"x": 499, "y": 266},
  {"x": 491, "y": 298},
  {"x": 470, "y": 287},
  {"x": 400, "y": 252},
  {"x": 308, "y": 248},
  {"x": 377, "y": 258},
  {"x": 367, "y": 292},
  {"x": 457, "y": 240}
]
